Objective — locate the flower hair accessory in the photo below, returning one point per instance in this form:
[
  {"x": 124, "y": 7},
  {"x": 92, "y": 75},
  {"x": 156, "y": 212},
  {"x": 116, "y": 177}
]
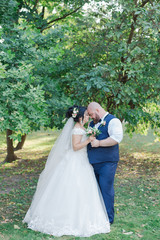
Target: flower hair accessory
[{"x": 75, "y": 112}]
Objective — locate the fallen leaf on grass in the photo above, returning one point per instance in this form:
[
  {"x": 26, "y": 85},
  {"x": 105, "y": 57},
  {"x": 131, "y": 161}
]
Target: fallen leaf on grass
[
  {"x": 5, "y": 220},
  {"x": 1, "y": 235},
  {"x": 16, "y": 227},
  {"x": 127, "y": 233},
  {"x": 143, "y": 225},
  {"x": 139, "y": 235}
]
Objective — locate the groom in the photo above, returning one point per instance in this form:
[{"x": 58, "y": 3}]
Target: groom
[{"x": 103, "y": 152}]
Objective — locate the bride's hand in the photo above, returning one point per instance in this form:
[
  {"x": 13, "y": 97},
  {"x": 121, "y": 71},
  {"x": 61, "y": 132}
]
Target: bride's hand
[{"x": 91, "y": 138}]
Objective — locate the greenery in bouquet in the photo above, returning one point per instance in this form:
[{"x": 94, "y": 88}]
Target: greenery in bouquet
[{"x": 92, "y": 131}]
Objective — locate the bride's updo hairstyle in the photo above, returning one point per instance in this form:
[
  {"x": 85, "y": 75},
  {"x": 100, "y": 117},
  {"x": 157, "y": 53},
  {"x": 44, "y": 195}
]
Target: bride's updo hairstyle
[{"x": 76, "y": 112}]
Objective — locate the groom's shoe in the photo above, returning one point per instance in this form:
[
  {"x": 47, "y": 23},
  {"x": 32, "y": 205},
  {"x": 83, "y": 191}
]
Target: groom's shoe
[{"x": 111, "y": 223}]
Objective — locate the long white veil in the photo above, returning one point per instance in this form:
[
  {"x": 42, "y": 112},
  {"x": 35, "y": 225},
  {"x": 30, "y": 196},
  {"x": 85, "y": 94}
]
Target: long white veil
[{"x": 61, "y": 146}]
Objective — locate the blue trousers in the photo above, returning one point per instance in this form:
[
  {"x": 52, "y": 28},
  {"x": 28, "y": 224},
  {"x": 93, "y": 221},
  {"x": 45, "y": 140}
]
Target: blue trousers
[{"x": 105, "y": 173}]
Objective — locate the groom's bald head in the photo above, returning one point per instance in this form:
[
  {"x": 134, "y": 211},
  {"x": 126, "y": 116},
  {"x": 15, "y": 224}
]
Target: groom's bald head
[
  {"x": 95, "y": 111},
  {"x": 94, "y": 106}
]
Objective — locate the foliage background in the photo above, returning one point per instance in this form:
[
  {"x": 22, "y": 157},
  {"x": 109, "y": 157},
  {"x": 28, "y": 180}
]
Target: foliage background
[{"x": 107, "y": 51}]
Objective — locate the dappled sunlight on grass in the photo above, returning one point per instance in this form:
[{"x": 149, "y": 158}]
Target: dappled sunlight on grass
[
  {"x": 37, "y": 144},
  {"x": 139, "y": 143},
  {"x": 139, "y": 156},
  {"x": 151, "y": 157},
  {"x": 43, "y": 141},
  {"x": 40, "y": 139},
  {"x": 136, "y": 188},
  {"x": 139, "y": 164}
]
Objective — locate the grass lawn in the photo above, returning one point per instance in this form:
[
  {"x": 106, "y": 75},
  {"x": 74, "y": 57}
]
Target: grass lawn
[{"x": 137, "y": 213}]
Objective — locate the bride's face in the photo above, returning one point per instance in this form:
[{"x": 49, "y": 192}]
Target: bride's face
[{"x": 86, "y": 117}]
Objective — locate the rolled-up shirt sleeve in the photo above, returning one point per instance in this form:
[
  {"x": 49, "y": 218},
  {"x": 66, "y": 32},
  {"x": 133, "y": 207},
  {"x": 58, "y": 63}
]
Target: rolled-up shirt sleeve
[{"x": 115, "y": 130}]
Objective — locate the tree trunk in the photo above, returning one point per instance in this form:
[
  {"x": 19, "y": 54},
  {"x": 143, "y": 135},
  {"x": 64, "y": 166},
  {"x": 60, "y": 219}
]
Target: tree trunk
[
  {"x": 21, "y": 143},
  {"x": 10, "y": 150}
]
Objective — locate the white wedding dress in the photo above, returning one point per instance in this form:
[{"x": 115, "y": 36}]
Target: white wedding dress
[{"x": 69, "y": 202}]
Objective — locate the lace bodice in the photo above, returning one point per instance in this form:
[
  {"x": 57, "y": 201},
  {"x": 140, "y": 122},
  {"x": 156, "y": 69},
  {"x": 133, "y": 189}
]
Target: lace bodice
[{"x": 78, "y": 131}]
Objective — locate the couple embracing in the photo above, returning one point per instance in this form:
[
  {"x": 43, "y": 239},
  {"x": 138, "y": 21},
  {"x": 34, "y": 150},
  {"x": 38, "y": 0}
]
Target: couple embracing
[{"x": 75, "y": 191}]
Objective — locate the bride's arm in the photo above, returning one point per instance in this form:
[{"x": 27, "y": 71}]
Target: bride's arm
[{"x": 77, "y": 144}]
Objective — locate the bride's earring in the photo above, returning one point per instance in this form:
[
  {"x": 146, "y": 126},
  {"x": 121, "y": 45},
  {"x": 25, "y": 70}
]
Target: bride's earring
[{"x": 81, "y": 122}]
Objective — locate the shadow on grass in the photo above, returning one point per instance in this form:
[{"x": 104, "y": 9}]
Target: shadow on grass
[{"x": 136, "y": 188}]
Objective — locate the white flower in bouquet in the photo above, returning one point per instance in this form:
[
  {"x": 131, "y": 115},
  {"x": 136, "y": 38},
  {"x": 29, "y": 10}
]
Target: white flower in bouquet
[{"x": 92, "y": 131}]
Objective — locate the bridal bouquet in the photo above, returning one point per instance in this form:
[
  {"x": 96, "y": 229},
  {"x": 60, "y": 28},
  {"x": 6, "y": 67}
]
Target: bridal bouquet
[{"x": 92, "y": 131}]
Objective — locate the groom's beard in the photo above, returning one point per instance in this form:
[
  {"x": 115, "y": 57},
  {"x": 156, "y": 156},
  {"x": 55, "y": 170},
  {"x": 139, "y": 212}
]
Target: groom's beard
[{"x": 96, "y": 118}]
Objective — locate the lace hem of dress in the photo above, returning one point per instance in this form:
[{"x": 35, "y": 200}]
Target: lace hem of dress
[{"x": 49, "y": 228}]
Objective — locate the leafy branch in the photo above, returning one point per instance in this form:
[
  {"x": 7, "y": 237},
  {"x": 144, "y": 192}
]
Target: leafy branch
[{"x": 49, "y": 24}]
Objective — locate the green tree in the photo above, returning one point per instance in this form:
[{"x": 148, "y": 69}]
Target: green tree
[
  {"x": 22, "y": 43},
  {"x": 113, "y": 55},
  {"x": 22, "y": 106},
  {"x": 40, "y": 14},
  {"x": 108, "y": 53}
]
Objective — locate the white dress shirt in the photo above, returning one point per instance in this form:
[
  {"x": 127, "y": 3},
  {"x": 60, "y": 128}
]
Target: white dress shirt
[{"x": 115, "y": 129}]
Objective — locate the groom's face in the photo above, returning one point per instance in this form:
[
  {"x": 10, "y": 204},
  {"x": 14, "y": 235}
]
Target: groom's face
[{"x": 94, "y": 115}]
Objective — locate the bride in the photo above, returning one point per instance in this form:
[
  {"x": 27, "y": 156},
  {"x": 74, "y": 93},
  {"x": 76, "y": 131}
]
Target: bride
[{"x": 67, "y": 200}]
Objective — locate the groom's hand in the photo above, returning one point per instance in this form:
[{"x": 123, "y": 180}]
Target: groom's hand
[{"x": 95, "y": 143}]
